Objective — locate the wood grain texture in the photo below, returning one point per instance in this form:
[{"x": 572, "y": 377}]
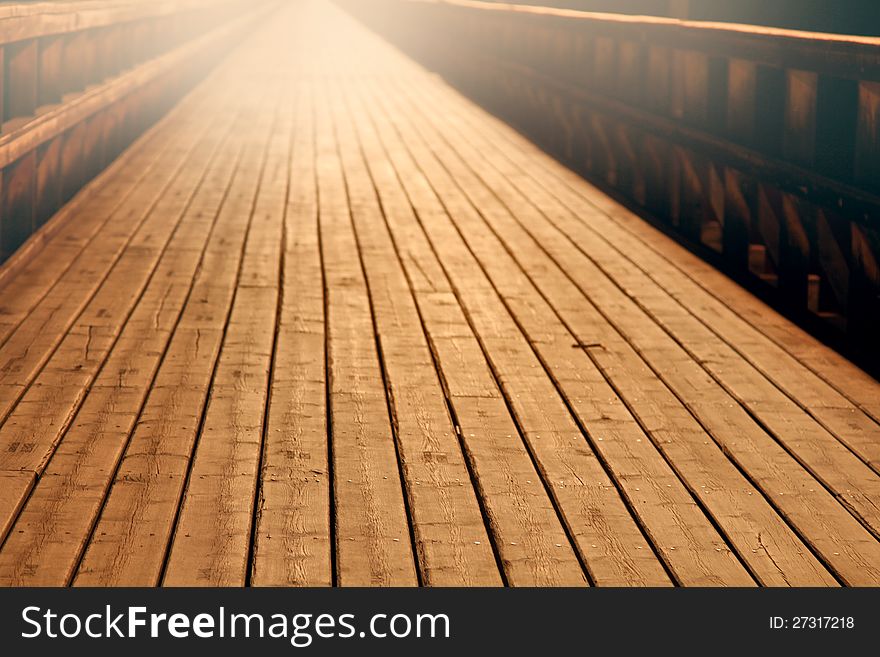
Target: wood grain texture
[
  {"x": 332, "y": 324},
  {"x": 451, "y": 538},
  {"x": 373, "y": 545},
  {"x": 292, "y": 540}
]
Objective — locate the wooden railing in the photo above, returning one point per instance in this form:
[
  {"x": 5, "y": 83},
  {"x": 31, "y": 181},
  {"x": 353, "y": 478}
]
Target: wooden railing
[
  {"x": 81, "y": 80},
  {"x": 760, "y": 148}
]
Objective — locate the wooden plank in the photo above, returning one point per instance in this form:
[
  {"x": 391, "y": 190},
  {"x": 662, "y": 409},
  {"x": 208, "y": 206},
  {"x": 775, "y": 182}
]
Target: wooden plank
[
  {"x": 65, "y": 372},
  {"x": 867, "y": 159},
  {"x": 20, "y": 69},
  {"x": 14, "y": 489},
  {"x": 530, "y": 539},
  {"x": 373, "y": 337},
  {"x": 211, "y": 541},
  {"x": 132, "y": 536},
  {"x": 739, "y": 510},
  {"x": 696, "y": 543},
  {"x": 39, "y": 330},
  {"x": 452, "y": 543},
  {"x": 373, "y": 545},
  {"x": 292, "y": 537},
  {"x": 18, "y": 190},
  {"x": 799, "y": 136},
  {"x": 632, "y": 563},
  {"x": 828, "y": 527},
  {"x": 52, "y": 529},
  {"x": 45, "y": 413}
]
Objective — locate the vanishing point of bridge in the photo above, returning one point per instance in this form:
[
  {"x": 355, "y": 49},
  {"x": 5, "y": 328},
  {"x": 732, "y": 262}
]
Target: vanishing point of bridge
[{"x": 328, "y": 321}]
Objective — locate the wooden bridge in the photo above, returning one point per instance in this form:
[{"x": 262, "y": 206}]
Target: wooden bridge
[{"x": 327, "y": 321}]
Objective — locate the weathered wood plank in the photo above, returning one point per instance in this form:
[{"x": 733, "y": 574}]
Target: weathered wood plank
[
  {"x": 132, "y": 536},
  {"x": 623, "y": 446},
  {"x": 14, "y": 489},
  {"x": 212, "y": 539},
  {"x": 50, "y": 535},
  {"x": 292, "y": 538},
  {"x": 41, "y": 412},
  {"x": 451, "y": 538},
  {"x": 561, "y": 454},
  {"x": 373, "y": 545},
  {"x": 39, "y": 332}
]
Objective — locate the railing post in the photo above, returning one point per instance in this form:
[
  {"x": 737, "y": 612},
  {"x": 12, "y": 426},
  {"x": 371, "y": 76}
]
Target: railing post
[
  {"x": 867, "y": 156},
  {"x": 50, "y": 83},
  {"x": 2, "y": 86},
  {"x": 799, "y": 136},
  {"x": 18, "y": 203},
  {"x": 20, "y": 72},
  {"x": 48, "y": 191},
  {"x": 742, "y": 88}
]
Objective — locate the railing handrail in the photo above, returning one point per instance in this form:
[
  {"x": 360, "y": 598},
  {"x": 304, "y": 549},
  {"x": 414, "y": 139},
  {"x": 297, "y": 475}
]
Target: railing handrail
[
  {"x": 661, "y": 21},
  {"x": 63, "y": 116},
  {"x": 20, "y": 21},
  {"x": 842, "y": 54}
]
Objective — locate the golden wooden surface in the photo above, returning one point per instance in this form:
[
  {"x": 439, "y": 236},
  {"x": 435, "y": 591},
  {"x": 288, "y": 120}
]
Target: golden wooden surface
[{"x": 331, "y": 323}]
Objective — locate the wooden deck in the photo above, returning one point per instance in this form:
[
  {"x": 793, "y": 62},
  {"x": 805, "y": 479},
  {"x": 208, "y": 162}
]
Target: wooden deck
[{"x": 331, "y": 323}]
